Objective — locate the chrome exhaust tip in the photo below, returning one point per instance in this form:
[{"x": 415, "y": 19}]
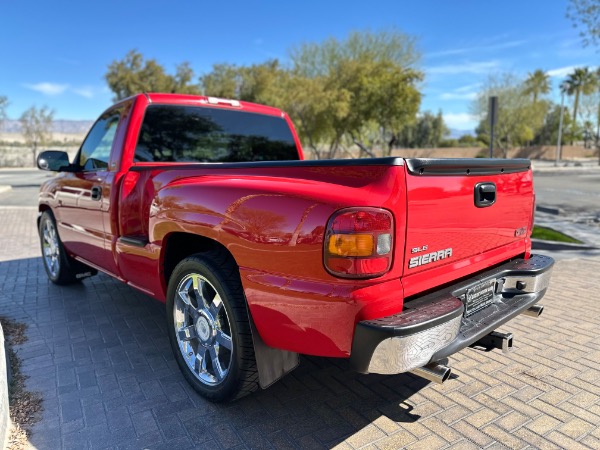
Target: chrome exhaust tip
[
  {"x": 534, "y": 311},
  {"x": 435, "y": 372}
]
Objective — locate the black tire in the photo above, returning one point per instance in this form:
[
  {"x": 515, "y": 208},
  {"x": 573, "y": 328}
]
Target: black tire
[
  {"x": 206, "y": 317},
  {"x": 60, "y": 267}
]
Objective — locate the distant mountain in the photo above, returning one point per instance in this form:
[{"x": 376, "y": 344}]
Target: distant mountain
[
  {"x": 58, "y": 126},
  {"x": 456, "y": 134}
]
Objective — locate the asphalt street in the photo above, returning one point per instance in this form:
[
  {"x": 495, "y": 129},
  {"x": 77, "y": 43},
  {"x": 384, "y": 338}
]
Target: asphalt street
[
  {"x": 25, "y": 185},
  {"x": 574, "y": 193}
]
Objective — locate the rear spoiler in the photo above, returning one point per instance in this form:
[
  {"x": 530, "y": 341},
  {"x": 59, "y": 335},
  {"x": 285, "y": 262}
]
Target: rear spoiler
[{"x": 466, "y": 166}]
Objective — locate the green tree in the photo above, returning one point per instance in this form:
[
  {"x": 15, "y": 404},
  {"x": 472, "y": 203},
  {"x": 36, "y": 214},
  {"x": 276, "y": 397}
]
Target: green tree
[
  {"x": 537, "y": 84},
  {"x": 548, "y": 133},
  {"x": 223, "y": 81},
  {"x": 580, "y": 81},
  {"x": 585, "y": 14},
  {"x": 3, "y": 105},
  {"x": 260, "y": 83},
  {"x": 364, "y": 88},
  {"x": 428, "y": 131},
  {"x": 468, "y": 140},
  {"x": 315, "y": 107},
  {"x": 36, "y": 126},
  {"x": 257, "y": 83},
  {"x": 133, "y": 75},
  {"x": 518, "y": 118},
  {"x": 598, "y": 115}
]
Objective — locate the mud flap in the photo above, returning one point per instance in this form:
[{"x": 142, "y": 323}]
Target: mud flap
[
  {"x": 81, "y": 270},
  {"x": 86, "y": 273},
  {"x": 272, "y": 363}
]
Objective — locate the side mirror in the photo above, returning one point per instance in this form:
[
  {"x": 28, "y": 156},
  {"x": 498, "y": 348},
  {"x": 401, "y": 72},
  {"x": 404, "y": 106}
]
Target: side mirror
[{"x": 53, "y": 160}]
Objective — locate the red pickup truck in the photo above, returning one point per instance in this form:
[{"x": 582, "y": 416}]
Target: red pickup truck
[{"x": 207, "y": 205}]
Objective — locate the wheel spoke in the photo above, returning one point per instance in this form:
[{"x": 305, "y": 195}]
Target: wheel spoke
[
  {"x": 202, "y": 357},
  {"x": 192, "y": 311},
  {"x": 187, "y": 333},
  {"x": 216, "y": 306},
  {"x": 199, "y": 293},
  {"x": 184, "y": 295},
  {"x": 224, "y": 340},
  {"x": 196, "y": 361},
  {"x": 217, "y": 369}
]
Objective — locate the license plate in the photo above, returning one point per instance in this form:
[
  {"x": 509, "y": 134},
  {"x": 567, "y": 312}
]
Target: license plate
[{"x": 479, "y": 296}]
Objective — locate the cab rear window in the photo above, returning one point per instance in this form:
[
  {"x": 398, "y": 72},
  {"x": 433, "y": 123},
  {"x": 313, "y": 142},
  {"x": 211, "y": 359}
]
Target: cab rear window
[{"x": 172, "y": 133}]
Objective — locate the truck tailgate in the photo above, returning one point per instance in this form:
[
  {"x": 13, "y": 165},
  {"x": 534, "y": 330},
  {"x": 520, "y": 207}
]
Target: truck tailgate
[{"x": 464, "y": 214}]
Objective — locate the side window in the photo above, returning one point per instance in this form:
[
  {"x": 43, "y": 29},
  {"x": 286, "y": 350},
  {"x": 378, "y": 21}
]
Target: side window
[{"x": 95, "y": 151}]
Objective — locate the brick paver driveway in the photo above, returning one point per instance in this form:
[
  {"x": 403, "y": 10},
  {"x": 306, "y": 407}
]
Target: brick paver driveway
[{"x": 99, "y": 355}]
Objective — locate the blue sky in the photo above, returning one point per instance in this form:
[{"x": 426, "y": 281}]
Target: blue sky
[{"x": 56, "y": 53}]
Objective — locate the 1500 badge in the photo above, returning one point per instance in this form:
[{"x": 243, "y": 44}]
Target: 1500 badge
[{"x": 428, "y": 258}]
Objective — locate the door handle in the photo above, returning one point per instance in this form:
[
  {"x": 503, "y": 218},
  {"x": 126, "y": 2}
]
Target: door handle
[
  {"x": 485, "y": 194},
  {"x": 96, "y": 192}
]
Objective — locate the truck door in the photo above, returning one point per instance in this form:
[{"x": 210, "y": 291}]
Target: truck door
[{"x": 82, "y": 196}]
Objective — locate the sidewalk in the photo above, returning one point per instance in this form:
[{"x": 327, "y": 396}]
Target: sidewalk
[
  {"x": 99, "y": 354},
  {"x": 588, "y": 234},
  {"x": 588, "y": 165}
]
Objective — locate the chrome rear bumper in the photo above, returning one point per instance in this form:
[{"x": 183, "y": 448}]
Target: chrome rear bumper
[{"x": 434, "y": 326}]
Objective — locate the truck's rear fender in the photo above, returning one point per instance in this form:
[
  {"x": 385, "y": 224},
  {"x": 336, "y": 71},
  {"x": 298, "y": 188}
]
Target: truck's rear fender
[{"x": 274, "y": 227}]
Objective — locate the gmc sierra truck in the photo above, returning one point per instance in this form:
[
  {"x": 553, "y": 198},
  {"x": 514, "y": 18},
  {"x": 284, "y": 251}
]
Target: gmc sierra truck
[{"x": 207, "y": 205}]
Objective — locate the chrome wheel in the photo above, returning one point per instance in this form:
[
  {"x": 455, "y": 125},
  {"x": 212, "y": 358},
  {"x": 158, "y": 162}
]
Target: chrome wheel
[
  {"x": 202, "y": 329},
  {"x": 51, "y": 248}
]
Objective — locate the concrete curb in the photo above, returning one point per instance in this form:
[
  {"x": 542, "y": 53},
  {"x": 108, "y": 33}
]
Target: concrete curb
[
  {"x": 548, "y": 210},
  {"x": 538, "y": 244},
  {"x": 4, "y": 380},
  {"x": 563, "y": 169},
  {"x": 4, "y": 188}
]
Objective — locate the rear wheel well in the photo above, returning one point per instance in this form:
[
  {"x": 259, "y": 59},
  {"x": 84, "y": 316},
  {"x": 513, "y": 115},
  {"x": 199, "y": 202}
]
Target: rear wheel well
[{"x": 179, "y": 246}]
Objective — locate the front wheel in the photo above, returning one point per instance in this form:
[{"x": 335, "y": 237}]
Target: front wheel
[
  {"x": 209, "y": 329},
  {"x": 60, "y": 267}
]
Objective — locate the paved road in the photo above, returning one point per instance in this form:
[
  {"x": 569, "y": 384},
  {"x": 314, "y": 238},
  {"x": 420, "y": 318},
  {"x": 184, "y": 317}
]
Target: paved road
[
  {"x": 574, "y": 193},
  {"x": 25, "y": 185},
  {"x": 99, "y": 354}
]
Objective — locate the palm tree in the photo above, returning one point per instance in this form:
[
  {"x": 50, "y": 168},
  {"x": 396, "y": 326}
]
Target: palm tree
[
  {"x": 536, "y": 84},
  {"x": 581, "y": 81},
  {"x": 598, "y": 116}
]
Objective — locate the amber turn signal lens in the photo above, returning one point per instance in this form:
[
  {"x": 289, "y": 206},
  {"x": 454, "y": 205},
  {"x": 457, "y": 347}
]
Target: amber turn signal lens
[
  {"x": 359, "y": 242},
  {"x": 351, "y": 244}
]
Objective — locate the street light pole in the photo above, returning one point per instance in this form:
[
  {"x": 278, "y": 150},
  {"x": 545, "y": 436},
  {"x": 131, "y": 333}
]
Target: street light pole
[
  {"x": 560, "y": 125},
  {"x": 493, "y": 118}
]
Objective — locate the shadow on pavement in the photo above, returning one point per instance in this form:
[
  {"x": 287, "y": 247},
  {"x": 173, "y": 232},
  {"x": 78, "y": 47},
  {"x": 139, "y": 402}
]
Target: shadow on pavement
[{"x": 99, "y": 354}]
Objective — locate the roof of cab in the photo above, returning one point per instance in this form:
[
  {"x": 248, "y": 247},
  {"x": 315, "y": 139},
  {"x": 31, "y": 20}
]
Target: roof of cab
[{"x": 201, "y": 100}]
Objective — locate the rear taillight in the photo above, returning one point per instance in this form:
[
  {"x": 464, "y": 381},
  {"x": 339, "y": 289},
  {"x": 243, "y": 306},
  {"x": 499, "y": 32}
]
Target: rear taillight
[{"x": 359, "y": 243}]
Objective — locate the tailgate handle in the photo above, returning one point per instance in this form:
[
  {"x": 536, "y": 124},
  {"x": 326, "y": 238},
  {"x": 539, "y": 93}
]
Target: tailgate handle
[{"x": 485, "y": 194}]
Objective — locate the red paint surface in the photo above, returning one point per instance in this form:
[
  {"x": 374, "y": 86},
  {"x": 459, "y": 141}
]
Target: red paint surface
[{"x": 273, "y": 221}]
